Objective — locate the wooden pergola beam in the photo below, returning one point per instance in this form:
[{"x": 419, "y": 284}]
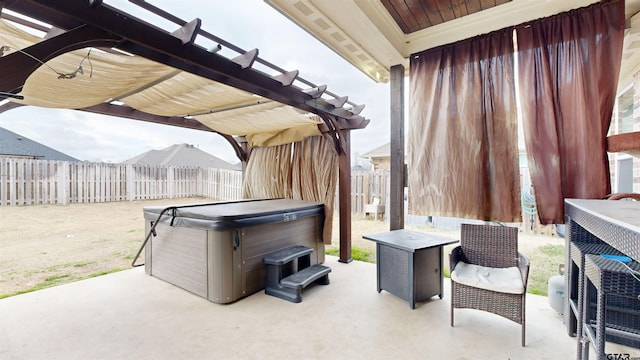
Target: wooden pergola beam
[
  {"x": 143, "y": 39},
  {"x": 344, "y": 198},
  {"x": 23, "y": 63},
  {"x": 396, "y": 148}
]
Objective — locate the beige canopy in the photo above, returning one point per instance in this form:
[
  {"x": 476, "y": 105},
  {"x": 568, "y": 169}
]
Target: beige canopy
[{"x": 157, "y": 89}]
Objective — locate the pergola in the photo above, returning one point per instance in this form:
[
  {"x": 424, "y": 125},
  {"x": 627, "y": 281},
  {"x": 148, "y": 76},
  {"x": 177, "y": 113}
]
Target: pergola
[{"x": 96, "y": 58}]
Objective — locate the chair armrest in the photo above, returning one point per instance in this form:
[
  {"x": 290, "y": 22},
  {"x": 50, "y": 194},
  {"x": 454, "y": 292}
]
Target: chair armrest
[
  {"x": 455, "y": 256},
  {"x": 523, "y": 265}
]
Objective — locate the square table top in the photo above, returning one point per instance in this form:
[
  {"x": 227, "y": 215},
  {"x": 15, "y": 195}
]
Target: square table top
[{"x": 410, "y": 240}]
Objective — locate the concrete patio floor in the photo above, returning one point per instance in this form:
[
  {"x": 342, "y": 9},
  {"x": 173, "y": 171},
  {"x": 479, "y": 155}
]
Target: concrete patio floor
[{"x": 131, "y": 315}]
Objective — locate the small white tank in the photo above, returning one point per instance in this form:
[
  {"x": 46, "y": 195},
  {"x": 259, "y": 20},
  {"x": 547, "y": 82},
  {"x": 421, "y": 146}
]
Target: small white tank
[{"x": 556, "y": 293}]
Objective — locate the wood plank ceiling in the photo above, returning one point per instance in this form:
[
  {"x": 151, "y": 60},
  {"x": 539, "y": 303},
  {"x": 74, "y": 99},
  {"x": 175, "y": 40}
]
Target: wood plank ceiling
[{"x": 415, "y": 15}]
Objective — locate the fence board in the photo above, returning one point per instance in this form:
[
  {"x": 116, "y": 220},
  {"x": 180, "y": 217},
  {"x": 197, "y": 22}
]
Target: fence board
[
  {"x": 366, "y": 185},
  {"x": 41, "y": 182}
]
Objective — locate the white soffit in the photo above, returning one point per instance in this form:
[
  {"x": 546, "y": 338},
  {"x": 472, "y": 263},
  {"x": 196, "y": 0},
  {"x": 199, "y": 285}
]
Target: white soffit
[
  {"x": 363, "y": 32},
  {"x": 343, "y": 27}
]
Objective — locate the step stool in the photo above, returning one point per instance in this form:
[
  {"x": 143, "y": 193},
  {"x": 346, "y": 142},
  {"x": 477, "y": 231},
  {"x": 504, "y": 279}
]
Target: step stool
[{"x": 288, "y": 284}]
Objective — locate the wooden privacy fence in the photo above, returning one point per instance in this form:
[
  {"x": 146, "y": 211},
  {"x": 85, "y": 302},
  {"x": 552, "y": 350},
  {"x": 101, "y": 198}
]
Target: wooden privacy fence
[
  {"x": 43, "y": 182},
  {"x": 46, "y": 182},
  {"x": 366, "y": 185}
]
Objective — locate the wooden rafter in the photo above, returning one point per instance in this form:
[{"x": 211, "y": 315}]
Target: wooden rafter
[{"x": 140, "y": 38}]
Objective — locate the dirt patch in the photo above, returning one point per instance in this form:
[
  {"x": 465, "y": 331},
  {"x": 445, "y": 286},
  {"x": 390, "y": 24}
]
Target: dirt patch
[{"x": 48, "y": 245}]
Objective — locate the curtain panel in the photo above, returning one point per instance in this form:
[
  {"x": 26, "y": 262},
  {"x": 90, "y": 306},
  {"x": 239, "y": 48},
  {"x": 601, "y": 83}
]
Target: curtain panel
[
  {"x": 462, "y": 132},
  {"x": 308, "y": 170},
  {"x": 268, "y": 173},
  {"x": 568, "y": 73},
  {"x": 315, "y": 176}
]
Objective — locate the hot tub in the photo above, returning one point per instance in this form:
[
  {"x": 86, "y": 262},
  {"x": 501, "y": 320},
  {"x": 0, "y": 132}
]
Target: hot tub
[{"x": 215, "y": 250}]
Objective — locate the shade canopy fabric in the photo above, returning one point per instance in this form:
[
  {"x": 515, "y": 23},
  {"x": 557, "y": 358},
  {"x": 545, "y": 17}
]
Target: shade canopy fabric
[{"x": 88, "y": 77}]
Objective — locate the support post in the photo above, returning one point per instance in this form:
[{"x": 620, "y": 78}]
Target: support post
[
  {"x": 243, "y": 145},
  {"x": 344, "y": 198},
  {"x": 396, "y": 181}
]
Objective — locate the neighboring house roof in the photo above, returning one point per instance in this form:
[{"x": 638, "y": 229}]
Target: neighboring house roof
[
  {"x": 237, "y": 166},
  {"x": 16, "y": 145},
  {"x": 383, "y": 151},
  {"x": 359, "y": 168},
  {"x": 180, "y": 155}
]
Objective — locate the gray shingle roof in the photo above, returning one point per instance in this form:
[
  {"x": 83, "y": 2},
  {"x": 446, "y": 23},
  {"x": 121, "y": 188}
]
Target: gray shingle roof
[
  {"x": 382, "y": 151},
  {"x": 180, "y": 155},
  {"x": 15, "y": 145}
]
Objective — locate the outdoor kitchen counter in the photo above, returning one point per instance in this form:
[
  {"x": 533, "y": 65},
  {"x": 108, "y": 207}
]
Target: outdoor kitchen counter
[
  {"x": 594, "y": 227},
  {"x": 614, "y": 222}
]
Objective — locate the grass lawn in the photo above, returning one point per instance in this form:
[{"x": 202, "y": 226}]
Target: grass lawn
[{"x": 545, "y": 253}]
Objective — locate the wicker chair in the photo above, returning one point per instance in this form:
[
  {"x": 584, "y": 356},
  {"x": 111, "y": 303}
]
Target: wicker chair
[{"x": 489, "y": 248}]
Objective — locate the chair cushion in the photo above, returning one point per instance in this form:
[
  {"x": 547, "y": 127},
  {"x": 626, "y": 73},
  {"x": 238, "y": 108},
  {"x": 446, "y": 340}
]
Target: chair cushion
[{"x": 506, "y": 280}]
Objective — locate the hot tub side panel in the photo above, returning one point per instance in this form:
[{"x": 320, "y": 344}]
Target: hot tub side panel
[
  {"x": 179, "y": 256},
  {"x": 225, "y": 267}
]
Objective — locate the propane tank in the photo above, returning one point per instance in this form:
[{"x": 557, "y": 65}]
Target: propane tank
[{"x": 556, "y": 293}]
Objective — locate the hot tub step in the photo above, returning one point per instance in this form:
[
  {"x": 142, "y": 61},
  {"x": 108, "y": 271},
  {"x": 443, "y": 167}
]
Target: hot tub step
[
  {"x": 286, "y": 285},
  {"x": 302, "y": 279},
  {"x": 285, "y": 255}
]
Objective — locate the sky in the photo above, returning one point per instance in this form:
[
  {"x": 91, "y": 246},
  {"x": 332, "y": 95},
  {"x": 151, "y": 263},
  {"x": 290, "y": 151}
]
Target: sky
[{"x": 247, "y": 24}]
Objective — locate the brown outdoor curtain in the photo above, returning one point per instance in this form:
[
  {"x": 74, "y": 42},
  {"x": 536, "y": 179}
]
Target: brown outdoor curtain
[
  {"x": 568, "y": 73},
  {"x": 462, "y": 134},
  {"x": 315, "y": 176}
]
